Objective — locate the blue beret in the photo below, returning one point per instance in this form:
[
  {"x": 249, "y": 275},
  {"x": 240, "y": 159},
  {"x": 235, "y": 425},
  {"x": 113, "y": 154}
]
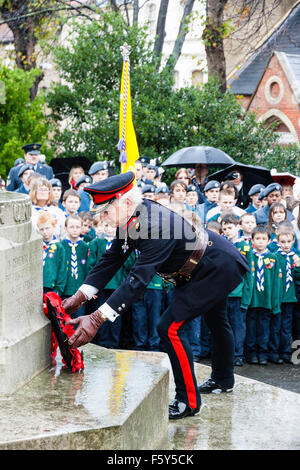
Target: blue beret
[
  {"x": 256, "y": 188},
  {"x": 83, "y": 179},
  {"x": 272, "y": 187},
  {"x": 19, "y": 161},
  {"x": 213, "y": 184},
  {"x": 25, "y": 167},
  {"x": 148, "y": 188},
  {"x": 98, "y": 166},
  {"x": 144, "y": 160},
  {"x": 32, "y": 148},
  {"x": 106, "y": 191},
  {"x": 162, "y": 189},
  {"x": 55, "y": 183},
  {"x": 144, "y": 181},
  {"x": 191, "y": 187}
]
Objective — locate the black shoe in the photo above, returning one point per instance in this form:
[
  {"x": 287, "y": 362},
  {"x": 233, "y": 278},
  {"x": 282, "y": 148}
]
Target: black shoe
[
  {"x": 178, "y": 410},
  {"x": 262, "y": 362},
  {"x": 252, "y": 360},
  {"x": 287, "y": 360},
  {"x": 197, "y": 358},
  {"x": 276, "y": 360},
  {"x": 210, "y": 386},
  {"x": 238, "y": 362}
]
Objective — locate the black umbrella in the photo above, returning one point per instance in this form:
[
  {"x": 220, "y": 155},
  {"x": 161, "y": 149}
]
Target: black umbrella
[
  {"x": 188, "y": 157},
  {"x": 251, "y": 174}
]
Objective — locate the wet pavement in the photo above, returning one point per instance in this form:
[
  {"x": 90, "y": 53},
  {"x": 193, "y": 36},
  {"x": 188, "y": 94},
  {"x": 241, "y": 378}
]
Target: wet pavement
[{"x": 285, "y": 376}]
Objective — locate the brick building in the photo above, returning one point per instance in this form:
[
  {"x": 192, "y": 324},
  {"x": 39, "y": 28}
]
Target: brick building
[{"x": 269, "y": 82}]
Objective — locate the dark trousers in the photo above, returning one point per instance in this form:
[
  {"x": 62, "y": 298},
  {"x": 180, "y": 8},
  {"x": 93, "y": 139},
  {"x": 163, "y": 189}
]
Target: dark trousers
[
  {"x": 258, "y": 333},
  {"x": 109, "y": 333},
  {"x": 192, "y": 329},
  {"x": 176, "y": 344},
  {"x": 282, "y": 336},
  {"x": 296, "y": 325},
  {"x": 237, "y": 319},
  {"x": 145, "y": 317}
]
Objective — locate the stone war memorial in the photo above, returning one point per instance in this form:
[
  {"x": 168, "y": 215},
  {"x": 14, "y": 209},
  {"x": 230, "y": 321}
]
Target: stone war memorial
[{"x": 117, "y": 402}]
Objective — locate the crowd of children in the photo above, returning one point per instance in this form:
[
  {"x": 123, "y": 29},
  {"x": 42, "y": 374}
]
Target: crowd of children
[{"x": 263, "y": 310}]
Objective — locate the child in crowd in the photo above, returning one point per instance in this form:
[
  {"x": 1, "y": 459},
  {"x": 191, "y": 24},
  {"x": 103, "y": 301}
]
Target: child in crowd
[
  {"x": 265, "y": 300},
  {"x": 57, "y": 192},
  {"x": 247, "y": 224},
  {"x": 239, "y": 299},
  {"x": 289, "y": 261},
  {"x": 76, "y": 255},
  {"x": 215, "y": 226},
  {"x": 109, "y": 333},
  {"x": 253, "y": 194},
  {"x": 211, "y": 194},
  {"x": 54, "y": 272},
  {"x": 87, "y": 231},
  {"x": 76, "y": 172},
  {"x": 191, "y": 200},
  {"x": 178, "y": 191},
  {"x": 226, "y": 203},
  {"x": 71, "y": 202}
]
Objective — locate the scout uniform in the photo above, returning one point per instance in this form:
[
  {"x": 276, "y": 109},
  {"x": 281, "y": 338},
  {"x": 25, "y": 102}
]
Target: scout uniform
[
  {"x": 76, "y": 265},
  {"x": 238, "y": 302},
  {"x": 216, "y": 268},
  {"x": 109, "y": 333},
  {"x": 265, "y": 302},
  {"x": 282, "y": 332},
  {"x": 54, "y": 267}
]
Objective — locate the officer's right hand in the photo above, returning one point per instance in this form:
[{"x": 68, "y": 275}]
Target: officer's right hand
[{"x": 87, "y": 327}]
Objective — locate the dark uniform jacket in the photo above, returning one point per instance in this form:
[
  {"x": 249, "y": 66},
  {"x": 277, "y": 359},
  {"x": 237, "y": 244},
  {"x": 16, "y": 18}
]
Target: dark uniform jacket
[
  {"x": 14, "y": 182},
  {"x": 165, "y": 241}
]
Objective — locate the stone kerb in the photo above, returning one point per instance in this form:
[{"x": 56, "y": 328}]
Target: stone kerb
[{"x": 24, "y": 330}]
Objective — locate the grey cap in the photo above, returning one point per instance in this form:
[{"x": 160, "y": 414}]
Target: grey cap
[
  {"x": 256, "y": 188},
  {"x": 213, "y": 184},
  {"x": 98, "y": 166},
  {"x": 25, "y": 167}
]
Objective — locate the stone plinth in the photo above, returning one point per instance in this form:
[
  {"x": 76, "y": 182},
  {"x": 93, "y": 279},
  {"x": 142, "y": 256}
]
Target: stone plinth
[
  {"x": 117, "y": 402},
  {"x": 24, "y": 330}
]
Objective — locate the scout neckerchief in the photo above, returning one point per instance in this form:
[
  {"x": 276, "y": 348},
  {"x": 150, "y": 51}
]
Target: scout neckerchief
[
  {"x": 108, "y": 241},
  {"x": 46, "y": 246},
  {"x": 288, "y": 266},
  {"x": 260, "y": 270},
  {"x": 74, "y": 265}
]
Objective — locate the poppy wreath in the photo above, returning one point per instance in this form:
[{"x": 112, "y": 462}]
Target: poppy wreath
[{"x": 61, "y": 332}]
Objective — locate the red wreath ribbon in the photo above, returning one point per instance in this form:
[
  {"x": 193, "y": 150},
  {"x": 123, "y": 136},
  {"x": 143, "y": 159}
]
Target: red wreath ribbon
[{"x": 64, "y": 318}]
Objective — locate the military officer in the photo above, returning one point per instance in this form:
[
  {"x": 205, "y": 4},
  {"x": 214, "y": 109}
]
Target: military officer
[
  {"x": 203, "y": 267},
  {"x": 31, "y": 155}
]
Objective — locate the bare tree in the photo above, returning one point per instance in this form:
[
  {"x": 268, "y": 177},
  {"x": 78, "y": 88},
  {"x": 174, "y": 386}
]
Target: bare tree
[
  {"x": 161, "y": 29},
  {"x": 26, "y": 17},
  {"x": 240, "y": 22},
  {"x": 183, "y": 30},
  {"x": 213, "y": 40}
]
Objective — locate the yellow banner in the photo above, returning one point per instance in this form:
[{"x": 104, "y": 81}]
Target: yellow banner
[{"x": 126, "y": 130}]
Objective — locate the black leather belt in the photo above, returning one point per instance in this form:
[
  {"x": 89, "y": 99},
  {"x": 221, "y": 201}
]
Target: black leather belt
[{"x": 183, "y": 275}]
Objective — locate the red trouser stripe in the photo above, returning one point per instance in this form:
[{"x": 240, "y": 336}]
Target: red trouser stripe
[{"x": 184, "y": 363}]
